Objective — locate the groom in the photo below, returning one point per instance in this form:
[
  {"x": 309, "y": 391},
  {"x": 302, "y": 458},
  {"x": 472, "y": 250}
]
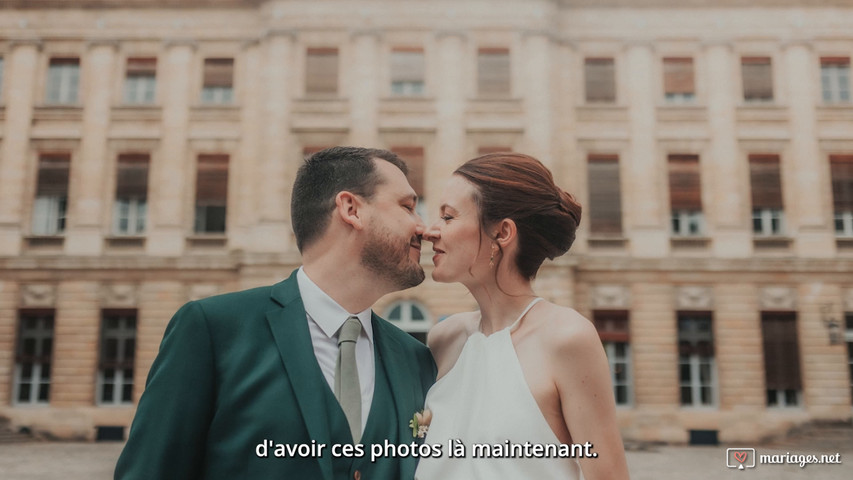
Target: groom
[{"x": 244, "y": 379}]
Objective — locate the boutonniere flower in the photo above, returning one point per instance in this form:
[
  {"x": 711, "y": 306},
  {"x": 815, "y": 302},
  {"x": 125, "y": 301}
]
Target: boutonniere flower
[{"x": 420, "y": 423}]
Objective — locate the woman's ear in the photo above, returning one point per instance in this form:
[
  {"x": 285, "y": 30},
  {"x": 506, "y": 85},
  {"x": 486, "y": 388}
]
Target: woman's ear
[
  {"x": 349, "y": 208},
  {"x": 505, "y": 232}
]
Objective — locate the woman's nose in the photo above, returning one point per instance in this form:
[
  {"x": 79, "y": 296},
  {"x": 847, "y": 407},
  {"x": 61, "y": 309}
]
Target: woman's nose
[{"x": 432, "y": 233}]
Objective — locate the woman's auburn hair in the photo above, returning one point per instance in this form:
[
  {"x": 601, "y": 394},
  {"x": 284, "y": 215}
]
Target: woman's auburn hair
[{"x": 520, "y": 188}]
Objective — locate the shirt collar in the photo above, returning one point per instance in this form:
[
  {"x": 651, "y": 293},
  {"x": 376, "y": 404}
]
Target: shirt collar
[{"x": 326, "y": 312}]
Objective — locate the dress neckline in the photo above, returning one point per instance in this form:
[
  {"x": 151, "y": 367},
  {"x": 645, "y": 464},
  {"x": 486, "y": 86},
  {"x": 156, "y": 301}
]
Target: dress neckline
[{"x": 514, "y": 324}]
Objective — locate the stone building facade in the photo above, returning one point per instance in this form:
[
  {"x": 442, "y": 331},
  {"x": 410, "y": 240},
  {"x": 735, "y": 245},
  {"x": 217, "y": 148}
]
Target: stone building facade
[{"x": 147, "y": 150}]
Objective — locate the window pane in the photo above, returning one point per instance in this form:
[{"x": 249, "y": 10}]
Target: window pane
[
  {"x": 407, "y": 71},
  {"x": 685, "y": 188},
  {"x": 24, "y": 392},
  {"x": 600, "y": 79},
  {"x": 781, "y": 350},
  {"x": 211, "y": 193},
  {"x": 757, "y": 79},
  {"x": 765, "y": 181},
  {"x": 605, "y": 201},
  {"x": 493, "y": 71},
  {"x": 678, "y": 77},
  {"x": 63, "y": 78},
  {"x": 321, "y": 71}
]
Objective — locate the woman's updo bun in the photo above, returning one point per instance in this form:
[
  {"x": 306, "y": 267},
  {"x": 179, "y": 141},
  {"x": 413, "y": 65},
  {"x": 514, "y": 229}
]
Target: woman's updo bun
[{"x": 519, "y": 187}]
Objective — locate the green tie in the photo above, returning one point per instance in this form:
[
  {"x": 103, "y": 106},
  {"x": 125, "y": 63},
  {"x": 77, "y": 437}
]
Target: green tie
[{"x": 347, "y": 389}]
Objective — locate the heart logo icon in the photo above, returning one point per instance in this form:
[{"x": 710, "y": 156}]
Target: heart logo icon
[{"x": 740, "y": 456}]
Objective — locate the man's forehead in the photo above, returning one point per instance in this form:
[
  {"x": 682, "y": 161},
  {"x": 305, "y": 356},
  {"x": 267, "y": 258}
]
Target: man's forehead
[{"x": 392, "y": 178}]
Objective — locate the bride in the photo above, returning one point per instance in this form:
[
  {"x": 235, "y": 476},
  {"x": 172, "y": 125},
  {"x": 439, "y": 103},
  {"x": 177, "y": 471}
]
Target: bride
[{"x": 521, "y": 370}]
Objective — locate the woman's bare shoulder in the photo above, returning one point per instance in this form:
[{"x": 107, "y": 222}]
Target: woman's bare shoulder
[
  {"x": 447, "y": 339},
  {"x": 565, "y": 329},
  {"x": 452, "y": 328}
]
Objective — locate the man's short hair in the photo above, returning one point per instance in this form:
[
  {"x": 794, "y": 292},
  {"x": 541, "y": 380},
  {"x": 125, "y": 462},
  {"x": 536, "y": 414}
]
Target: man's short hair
[{"x": 325, "y": 174}]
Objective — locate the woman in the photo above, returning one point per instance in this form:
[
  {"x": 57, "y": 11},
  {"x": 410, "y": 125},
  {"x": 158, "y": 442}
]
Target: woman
[{"x": 520, "y": 370}]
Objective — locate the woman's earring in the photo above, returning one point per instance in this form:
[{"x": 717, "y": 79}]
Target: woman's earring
[{"x": 492, "y": 259}]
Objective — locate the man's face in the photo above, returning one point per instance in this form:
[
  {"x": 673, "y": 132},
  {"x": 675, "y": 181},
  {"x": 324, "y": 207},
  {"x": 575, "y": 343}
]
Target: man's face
[{"x": 393, "y": 246}]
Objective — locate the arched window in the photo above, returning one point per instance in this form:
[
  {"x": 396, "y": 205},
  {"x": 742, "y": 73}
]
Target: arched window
[{"x": 410, "y": 317}]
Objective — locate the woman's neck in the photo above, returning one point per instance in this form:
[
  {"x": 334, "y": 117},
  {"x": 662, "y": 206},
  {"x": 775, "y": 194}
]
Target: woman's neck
[{"x": 500, "y": 307}]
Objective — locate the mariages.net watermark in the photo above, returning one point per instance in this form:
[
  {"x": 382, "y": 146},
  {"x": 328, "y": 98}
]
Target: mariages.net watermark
[{"x": 744, "y": 458}]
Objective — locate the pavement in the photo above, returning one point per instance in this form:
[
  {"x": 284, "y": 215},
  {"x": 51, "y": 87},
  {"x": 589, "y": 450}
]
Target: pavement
[{"x": 95, "y": 461}]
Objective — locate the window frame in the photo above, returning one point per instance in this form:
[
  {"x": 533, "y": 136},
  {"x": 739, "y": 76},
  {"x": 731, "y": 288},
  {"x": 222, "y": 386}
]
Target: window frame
[
  {"x": 45, "y": 329},
  {"x": 118, "y": 380},
  {"x": 791, "y": 396},
  {"x": 50, "y": 210},
  {"x": 695, "y": 361},
  {"x": 835, "y": 80},
  {"x": 614, "y": 330},
  {"x": 140, "y": 81},
  {"x": 416, "y": 328},
  {"x": 203, "y": 210}
]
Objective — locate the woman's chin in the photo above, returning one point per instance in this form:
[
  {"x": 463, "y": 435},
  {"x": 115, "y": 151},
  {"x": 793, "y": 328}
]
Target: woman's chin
[{"x": 439, "y": 277}]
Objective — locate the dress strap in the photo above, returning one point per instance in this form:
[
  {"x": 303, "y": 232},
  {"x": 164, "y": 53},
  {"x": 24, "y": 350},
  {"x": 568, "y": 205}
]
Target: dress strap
[{"x": 527, "y": 309}]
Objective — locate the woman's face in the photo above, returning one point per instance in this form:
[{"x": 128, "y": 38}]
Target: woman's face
[{"x": 461, "y": 253}]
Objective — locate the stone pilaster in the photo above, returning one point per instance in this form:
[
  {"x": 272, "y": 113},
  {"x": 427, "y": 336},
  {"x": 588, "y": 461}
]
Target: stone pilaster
[
  {"x": 645, "y": 199},
  {"x": 729, "y": 212},
  {"x": 90, "y": 169},
  {"x": 275, "y": 170},
  {"x": 364, "y": 89},
  {"x": 536, "y": 61},
  {"x": 170, "y": 174},
  {"x": 806, "y": 172},
  {"x": 19, "y": 82}
]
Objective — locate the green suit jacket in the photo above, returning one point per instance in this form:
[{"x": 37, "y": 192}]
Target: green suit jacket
[{"x": 237, "y": 370}]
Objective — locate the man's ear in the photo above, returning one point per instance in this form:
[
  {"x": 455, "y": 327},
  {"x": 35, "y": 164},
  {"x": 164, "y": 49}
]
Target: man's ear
[
  {"x": 505, "y": 232},
  {"x": 348, "y": 206}
]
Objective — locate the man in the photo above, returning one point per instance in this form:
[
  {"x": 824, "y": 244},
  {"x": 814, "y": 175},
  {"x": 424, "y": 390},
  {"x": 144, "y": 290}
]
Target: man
[{"x": 243, "y": 378}]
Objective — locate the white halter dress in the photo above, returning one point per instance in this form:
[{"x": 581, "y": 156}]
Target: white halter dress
[{"x": 484, "y": 399}]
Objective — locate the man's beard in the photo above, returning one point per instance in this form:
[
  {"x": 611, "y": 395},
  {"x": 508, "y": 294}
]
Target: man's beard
[{"x": 389, "y": 258}]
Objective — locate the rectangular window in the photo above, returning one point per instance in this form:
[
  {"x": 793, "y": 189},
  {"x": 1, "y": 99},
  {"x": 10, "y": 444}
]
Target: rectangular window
[
  {"x": 117, "y": 352},
  {"x": 612, "y": 326},
  {"x": 211, "y": 193},
  {"x": 321, "y": 71},
  {"x": 766, "y": 185},
  {"x": 685, "y": 195},
  {"x": 605, "y": 200},
  {"x": 414, "y": 158},
  {"x": 757, "y": 79},
  {"x": 493, "y": 72},
  {"x": 218, "y": 86},
  {"x": 781, "y": 358},
  {"x": 678, "y": 85},
  {"x": 407, "y": 71},
  {"x": 841, "y": 172},
  {"x": 696, "y": 364},
  {"x": 835, "y": 79},
  {"x": 63, "y": 81},
  {"x": 131, "y": 194},
  {"x": 140, "y": 81},
  {"x": 600, "y": 80},
  {"x": 51, "y": 199},
  {"x": 33, "y": 355}
]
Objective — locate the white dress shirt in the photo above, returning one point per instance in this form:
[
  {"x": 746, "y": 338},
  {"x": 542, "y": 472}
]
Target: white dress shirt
[{"x": 325, "y": 319}]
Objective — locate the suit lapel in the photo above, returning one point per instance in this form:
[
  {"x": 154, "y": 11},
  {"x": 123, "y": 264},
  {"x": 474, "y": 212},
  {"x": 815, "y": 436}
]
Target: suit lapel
[
  {"x": 400, "y": 382},
  {"x": 290, "y": 331}
]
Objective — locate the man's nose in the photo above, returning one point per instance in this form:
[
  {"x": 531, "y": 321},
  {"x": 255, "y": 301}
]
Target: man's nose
[{"x": 420, "y": 227}]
